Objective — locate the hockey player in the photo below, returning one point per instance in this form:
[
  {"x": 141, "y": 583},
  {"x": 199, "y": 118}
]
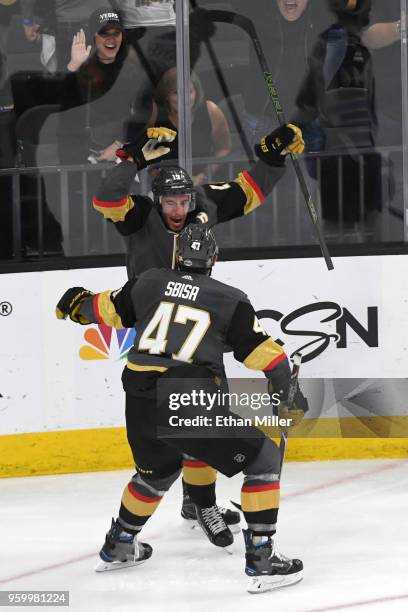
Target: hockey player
[
  {"x": 150, "y": 227},
  {"x": 184, "y": 319}
]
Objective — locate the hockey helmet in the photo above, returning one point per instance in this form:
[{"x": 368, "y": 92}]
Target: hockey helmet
[
  {"x": 196, "y": 248},
  {"x": 173, "y": 180}
]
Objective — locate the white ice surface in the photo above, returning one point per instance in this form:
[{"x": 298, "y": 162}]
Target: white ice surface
[{"x": 346, "y": 520}]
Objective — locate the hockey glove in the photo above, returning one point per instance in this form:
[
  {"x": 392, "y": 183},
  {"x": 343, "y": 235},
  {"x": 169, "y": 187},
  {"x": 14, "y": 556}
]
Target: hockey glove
[
  {"x": 293, "y": 413},
  {"x": 272, "y": 149},
  {"x": 69, "y": 305},
  {"x": 148, "y": 148}
]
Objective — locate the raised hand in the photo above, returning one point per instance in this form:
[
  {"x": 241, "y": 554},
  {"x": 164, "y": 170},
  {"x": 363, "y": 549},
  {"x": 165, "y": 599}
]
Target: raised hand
[
  {"x": 69, "y": 305},
  {"x": 153, "y": 144},
  {"x": 273, "y": 148},
  {"x": 80, "y": 52},
  {"x": 109, "y": 154}
]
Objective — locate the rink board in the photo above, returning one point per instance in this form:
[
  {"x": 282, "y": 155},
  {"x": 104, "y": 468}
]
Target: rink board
[
  {"x": 94, "y": 450},
  {"x": 61, "y": 404}
]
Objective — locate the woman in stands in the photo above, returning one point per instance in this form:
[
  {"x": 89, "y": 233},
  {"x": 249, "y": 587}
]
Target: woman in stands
[
  {"x": 210, "y": 131},
  {"x": 99, "y": 92}
]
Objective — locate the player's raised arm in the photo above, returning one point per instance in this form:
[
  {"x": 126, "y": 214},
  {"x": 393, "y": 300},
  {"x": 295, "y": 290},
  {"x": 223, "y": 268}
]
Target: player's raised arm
[
  {"x": 113, "y": 198},
  {"x": 249, "y": 189},
  {"x": 112, "y": 308}
]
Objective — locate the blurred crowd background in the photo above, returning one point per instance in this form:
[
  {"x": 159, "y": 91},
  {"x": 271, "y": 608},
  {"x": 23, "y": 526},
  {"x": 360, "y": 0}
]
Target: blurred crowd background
[{"x": 76, "y": 82}]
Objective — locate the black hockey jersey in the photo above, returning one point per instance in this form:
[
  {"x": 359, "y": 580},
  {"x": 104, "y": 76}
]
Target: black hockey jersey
[
  {"x": 184, "y": 317},
  {"x": 149, "y": 242}
]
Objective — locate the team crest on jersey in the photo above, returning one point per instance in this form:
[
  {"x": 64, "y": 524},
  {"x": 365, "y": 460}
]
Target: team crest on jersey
[
  {"x": 115, "y": 293},
  {"x": 258, "y": 329},
  {"x": 202, "y": 217}
]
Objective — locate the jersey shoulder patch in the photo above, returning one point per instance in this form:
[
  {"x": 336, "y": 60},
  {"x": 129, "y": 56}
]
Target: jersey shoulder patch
[
  {"x": 220, "y": 186},
  {"x": 115, "y": 293},
  {"x": 202, "y": 217}
]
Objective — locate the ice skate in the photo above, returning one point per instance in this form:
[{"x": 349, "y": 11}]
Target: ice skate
[
  {"x": 121, "y": 550},
  {"x": 214, "y": 527},
  {"x": 188, "y": 512},
  {"x": 268, "y": 569}
]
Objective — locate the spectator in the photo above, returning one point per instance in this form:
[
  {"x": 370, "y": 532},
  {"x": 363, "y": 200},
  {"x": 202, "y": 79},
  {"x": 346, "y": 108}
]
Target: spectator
[
  {"x": 98, "y": 93},
  {"x": 138, "y": 15},
  {"x": 286, "y": 30},
  {"x": 210, "y": 131},
  {"x": 380, "y": 35},
  {"x": 70, "y": 16},
  {"x": 7, "y": 10},
  {"x": 150, "y": 30},
  {"x": 292, "y": 10},
  {"x": 337, "y": 104},
  {"x": 33, "y": 239}
]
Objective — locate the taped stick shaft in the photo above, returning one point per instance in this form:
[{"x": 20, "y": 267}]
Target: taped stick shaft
[
  {"x": 297, "y": 360},
  {"x": 247, "y": 25},
  {"x": 273, "y": 94}
]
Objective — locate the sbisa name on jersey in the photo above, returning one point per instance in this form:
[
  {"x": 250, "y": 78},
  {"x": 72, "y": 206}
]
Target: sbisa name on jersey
[
  {"x": 330, "y": 312},
  {"x": 181, "y": 290}
]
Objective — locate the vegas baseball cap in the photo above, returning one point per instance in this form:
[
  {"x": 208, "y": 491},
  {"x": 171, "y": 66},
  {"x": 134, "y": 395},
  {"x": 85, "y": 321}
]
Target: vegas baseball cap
[{"x": 104, "y": 18}]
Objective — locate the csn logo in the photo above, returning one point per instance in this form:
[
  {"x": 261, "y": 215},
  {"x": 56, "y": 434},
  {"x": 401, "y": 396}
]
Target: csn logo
[
  {"x": 5, "y": 309},
  {"x": 294, "y": 324}
]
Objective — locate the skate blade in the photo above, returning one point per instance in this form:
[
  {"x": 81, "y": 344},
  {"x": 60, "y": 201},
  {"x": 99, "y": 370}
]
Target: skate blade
[
  {"x": 104, "y": 566},
  {"x": 261, "y": 584}
]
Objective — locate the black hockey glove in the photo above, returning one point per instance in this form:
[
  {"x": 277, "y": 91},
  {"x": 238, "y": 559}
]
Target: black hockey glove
[
  {"x": 149, "y": 147},
  {"x": 278, "y": 383},
  {"x": 69, "y": 304},
  {"x": 294, "y": 413},
  {"x": 272, "y": 149}
]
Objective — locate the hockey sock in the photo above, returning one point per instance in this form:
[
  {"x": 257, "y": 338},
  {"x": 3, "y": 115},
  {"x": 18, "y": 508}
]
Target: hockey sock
[
  {"x": 260, "y": 504},
  {"x": 139, "y": 501},
  {"x": 200, "y": 480}
]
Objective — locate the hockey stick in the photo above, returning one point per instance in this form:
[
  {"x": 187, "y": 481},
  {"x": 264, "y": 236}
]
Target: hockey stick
[
  {"x": 297, "y": 360},
  {"x": 248, "y": 26},
  {"x": 226, "y": 93}
]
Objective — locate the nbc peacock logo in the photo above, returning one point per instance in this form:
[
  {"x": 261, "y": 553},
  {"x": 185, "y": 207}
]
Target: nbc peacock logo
[{"x": 105, "y": 343}]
